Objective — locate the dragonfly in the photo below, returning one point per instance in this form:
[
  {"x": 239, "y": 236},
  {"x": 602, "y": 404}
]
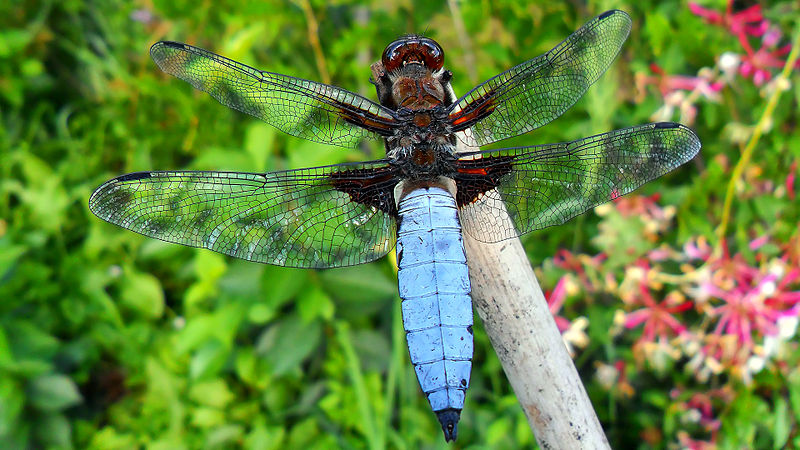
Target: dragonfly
[{"x": 421, "y": 195}]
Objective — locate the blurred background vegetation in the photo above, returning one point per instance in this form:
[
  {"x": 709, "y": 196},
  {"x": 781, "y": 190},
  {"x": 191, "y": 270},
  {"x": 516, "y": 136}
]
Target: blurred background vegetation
[{"x": 112, "y": 340}]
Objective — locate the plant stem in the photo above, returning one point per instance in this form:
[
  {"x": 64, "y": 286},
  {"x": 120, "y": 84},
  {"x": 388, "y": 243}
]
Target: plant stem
[{"x": 747, "y": 153}]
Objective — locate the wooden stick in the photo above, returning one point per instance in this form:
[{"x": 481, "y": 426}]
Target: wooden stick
[{"x": 524, "y": 334}]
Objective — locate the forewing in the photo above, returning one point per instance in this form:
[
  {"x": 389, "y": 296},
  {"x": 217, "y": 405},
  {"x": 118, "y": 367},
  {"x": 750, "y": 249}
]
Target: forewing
[
  {"x": 296, "y": 218},
  {"x": 298, "y": 107},
  {"x": 539, "y": 90},
  {"x": 547, "y": 185}
]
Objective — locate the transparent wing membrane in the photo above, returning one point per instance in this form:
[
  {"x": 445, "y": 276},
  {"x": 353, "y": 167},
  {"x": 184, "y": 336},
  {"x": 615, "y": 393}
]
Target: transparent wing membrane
[
  {"x": 298, "y": 107},
  {"x": 547, "y": 185},
  {"x": 537, "y": 91},
  {"x": 296, "y": 218}
]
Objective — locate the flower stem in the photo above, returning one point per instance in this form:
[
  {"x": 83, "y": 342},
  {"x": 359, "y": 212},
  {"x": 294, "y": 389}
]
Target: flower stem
[{"x": 747, "y": 153}]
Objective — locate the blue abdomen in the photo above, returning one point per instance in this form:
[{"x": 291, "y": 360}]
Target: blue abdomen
[{"x": 437, "y": 309}]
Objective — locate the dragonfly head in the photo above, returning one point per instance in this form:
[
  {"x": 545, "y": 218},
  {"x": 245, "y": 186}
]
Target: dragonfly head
[{"x": 413, "y": 49}]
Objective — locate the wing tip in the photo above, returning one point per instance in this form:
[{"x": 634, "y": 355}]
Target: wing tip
[
  {"x": 102, "y": 190},
  {"x": 692, "y": 135},
  {"x": 165, "y": 44},
  {"x": 133, "y": 176},
  {"x": 170, "y": 44},
  {"x": 614, "y": 12},
  {"x": 607, "y": 13}
]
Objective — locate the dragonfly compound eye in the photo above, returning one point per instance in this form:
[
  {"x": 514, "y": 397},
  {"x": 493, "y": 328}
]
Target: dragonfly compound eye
[{"x": 413, "y": 49}]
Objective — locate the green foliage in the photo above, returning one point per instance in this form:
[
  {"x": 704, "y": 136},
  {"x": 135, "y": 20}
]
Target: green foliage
[{"x": 111, "y": 340}]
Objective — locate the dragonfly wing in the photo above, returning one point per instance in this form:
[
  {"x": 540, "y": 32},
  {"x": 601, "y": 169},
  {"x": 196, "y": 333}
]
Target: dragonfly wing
[
  {"x": 318, "y": 217},
  {"x": 539, "y": 90},
  {"x": 298, "y": 107},
  {"x": 547, "y": 185}
]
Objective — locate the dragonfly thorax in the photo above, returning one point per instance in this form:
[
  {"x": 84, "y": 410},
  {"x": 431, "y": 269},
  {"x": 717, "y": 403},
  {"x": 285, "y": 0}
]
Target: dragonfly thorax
[
  {"x": 417, "y": 88},
  {"x": 424, "y": 161}
]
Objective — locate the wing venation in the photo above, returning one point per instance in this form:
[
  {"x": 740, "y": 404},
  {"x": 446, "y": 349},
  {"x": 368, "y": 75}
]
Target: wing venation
[
  {"x": 296, "y": 218},
  {"x": 546, "y": 185},
  {"x": 539, "y": 90},
  {"x": 302, "y": 108}
]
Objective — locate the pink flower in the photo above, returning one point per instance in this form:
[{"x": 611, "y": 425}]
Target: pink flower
[
  {"x": 578, "y": 265},
  {"x": 614, "y": 377},
  {"x": 679, "y": 92},
  {"x": 555, "y": 300},
  {"x": 782, "y": 298},
  {"x": 790, "y": 180},
  {"x": 752, "y": 299},
  {"x": 694, "y": 444},
  {"x": 703, "y": 403},
  {"x": 698, "y": 249},
  {"x": 657, "y": 318},
  {"x": 758, "y": 242},
  {"x": 699, "y": 409},
  {"x": 747, "y": 21},
  {"x": 668, "y": 84},
  {"x": 572, "y": 332},
  {"x": 757, "y": 64}
]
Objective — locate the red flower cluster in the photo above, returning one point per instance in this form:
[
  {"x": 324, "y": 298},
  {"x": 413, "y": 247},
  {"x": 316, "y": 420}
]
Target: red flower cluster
[
  {"x": 725, "y": 313},
  {"x": 681, "y": 92},
  {"x": 755, "y": 64}
]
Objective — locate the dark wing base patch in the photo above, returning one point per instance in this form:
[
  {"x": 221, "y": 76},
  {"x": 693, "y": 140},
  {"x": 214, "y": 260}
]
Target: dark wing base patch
[
  {"x": 474, "y": 177},
  {"x": 369, "y": 187}
]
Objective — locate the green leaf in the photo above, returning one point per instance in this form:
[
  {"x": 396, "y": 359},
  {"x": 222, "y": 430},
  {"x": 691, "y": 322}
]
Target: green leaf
[
  {"x": 782, "y": 422},
  {"x": 373, "y": 349},
  {"x": 13, "y": 40},
  {"x": 258, "y": 142},
  {"x": 31, "y": 343},
  {"x": 213, "y": 393},
  {"x": 207, "y": 417},
  {"x": 109, "y": 438},
  {"x": 359, "y": 284},
  {"x": 281, "y": 284},
  {"x": 224, "y": 436},
  {"x": 498, "y": 430},
  {"x": 794, "y": 392},
  {"x": 44, "y": 194},
  {"x": 288, "y": 343},
  {"x": 12, "y": 404},
  {"x": 265, "y": 438},
  {"x": 260, "y": 313},
  {"x": 209, "y": 360},
  {"x": 221, "y": 325},
  {"x": 249, "y": 370},
  {"x": 142, "y": 293},
  {"x": 209, "y": 266},
  {"x": 6, "y": 357},
  {"x": 9, "y": 254},
  {"x": 53, "y": 392},
  {"x": 54, "y": 430},
  {"x": 313, "y": 304}
]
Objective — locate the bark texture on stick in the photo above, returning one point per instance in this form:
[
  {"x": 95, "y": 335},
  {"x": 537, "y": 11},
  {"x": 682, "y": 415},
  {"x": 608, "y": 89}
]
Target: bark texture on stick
[{"x": 524, "y": 334}]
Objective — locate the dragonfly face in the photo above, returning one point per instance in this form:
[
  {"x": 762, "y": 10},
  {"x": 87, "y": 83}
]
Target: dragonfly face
[
  {"x": 347, "y": 214},
  {"x": 413, "y": 67}
]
